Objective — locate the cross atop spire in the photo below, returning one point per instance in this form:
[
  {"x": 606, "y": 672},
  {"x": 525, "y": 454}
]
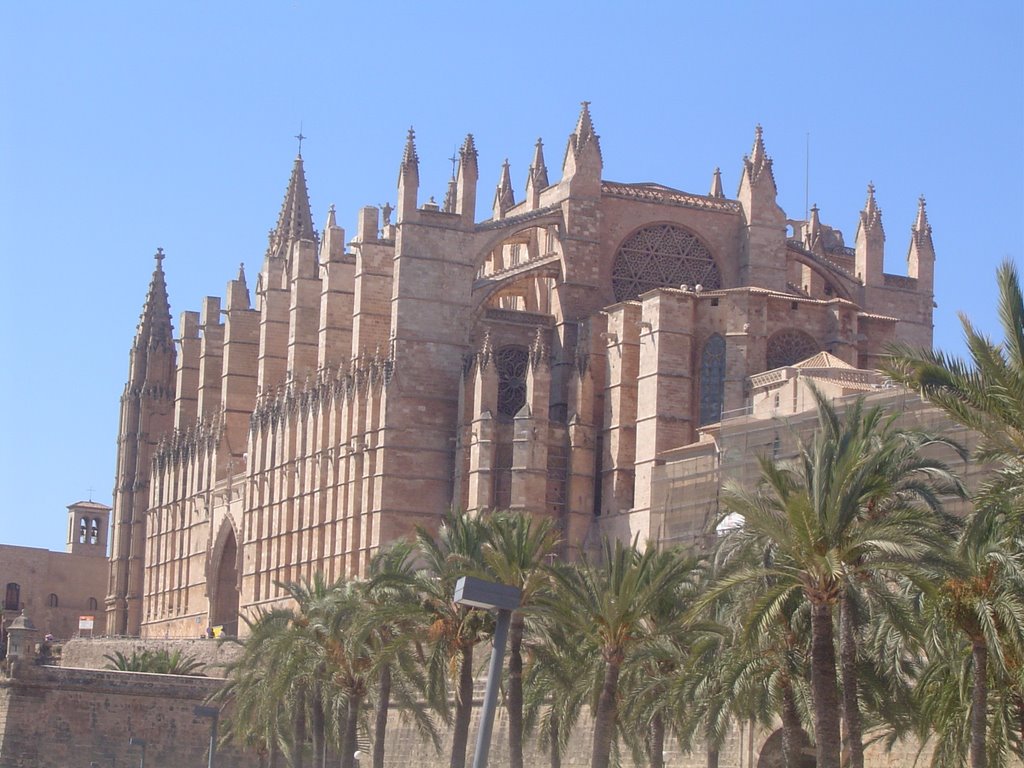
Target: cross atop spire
[{"x": 300, "y": 137}]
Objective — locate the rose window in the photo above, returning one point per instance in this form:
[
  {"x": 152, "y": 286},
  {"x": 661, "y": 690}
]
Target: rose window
[{"x": 662, "y": 256}]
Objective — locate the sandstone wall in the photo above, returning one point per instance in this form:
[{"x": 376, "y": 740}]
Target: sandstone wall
[
  {"x": 88, "y": 653},
  {"x": 60, "y": 717},
  {"x": 57, "y": 717}
]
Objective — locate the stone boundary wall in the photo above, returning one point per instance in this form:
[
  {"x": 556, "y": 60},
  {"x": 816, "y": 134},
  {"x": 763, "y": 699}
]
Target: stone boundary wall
[
  {"x": 64, "y": 717},
  {"x": 88, "y": 653},
  {"x": 59, "y": 717}
]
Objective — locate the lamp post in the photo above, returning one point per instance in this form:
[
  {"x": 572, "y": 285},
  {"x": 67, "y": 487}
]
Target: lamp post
[
  {"x": 214, "y": 714},
  {"x": 137, "y": 742},
  {"x": 505, "y": 599},
  {"x": 358, "y": 755}
]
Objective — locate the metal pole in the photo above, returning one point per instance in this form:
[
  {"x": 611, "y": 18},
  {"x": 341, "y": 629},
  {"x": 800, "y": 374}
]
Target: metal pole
[
  {"x": 483, "y": 737},
  {"x": 213, "y": 741}
]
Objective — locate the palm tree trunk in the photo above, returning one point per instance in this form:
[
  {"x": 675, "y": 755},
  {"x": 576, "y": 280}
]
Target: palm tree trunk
[
  {"x": 657, "y": 742},
  {"x": 380, "y": 725},
  {"x": 979, "y": 704},
  {"x": 463, "y": 710},
  {"x": 607, "y": 711},
  {"x": 713, "y": 756},
  {"x": 556, "y": 752},
  {"x": 348, "y": 756},
  {"x": 343, "y": 744},
  {"x": 515, "y": 692},
  {"x": 318, "y": 729},
  {"x": 854, "y": 731},
  {"x": 298, "y": 733},
  {"x": 793, "y": 736},
  {"x": 823, "y": 686}
]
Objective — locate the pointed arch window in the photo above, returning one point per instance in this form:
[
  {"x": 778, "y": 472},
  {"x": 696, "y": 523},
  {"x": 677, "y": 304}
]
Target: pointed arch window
[
  {"x": 712, "y": 379},
  {"x": 511, "y": 364},
  {"x": 12, "y": 596},
  {"x": 52, "y": 601}
]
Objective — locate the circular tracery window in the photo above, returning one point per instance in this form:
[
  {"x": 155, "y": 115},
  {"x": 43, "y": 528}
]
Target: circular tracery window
[
  {"x": 790, "y": 347},
  {"x": 662, "y": 256},
  {"x": 511, "y": 363}
]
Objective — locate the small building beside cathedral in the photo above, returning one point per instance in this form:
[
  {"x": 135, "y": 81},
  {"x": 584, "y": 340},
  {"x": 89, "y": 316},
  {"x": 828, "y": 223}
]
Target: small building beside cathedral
[
  {"x": 554, "y": 359},
  {"x": 60, "y": 591}
]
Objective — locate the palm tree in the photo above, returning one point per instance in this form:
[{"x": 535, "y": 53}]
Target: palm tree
[
  {"x": 454, "y": 629},
  {"x": 270, "y": 686},
  {"x": 393, "y": 620},
  {"x": 978, "y": 641},
  {"x": 823, "y": 519},
  {"x": 985, "y": 394},
  {"x": 564, "y": 669},
  {"x": 650, "y": 712},
  {"x": 515, "y": 549},
  {"x": 607, "y": 603}
]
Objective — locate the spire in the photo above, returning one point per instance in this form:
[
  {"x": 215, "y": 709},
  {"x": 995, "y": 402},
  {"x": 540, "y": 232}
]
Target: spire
[
  {"x": 584, "y": 134},
  {"x": 468, "y": 155},
  {"x": 333, "y": 244},
  {"x": 538, "y": 169},
  {"x": 450, "y": 195},
  {"x": 465, "y": 195},
  {"x": 504, "y": 198},
  {"x": 921, "y": 232},
  {"x": 583, "y": 161},
  {"x": 757, "y": 164},
  {"x": 812, "y": 235},
  {"x": 869, "y": 244},
  {"x": 295, "y": 222},
  {"x": 408, "y": 179},
  {"x": 871, "y": 216},
  {"x": 410, "y": 160},
  {"x": 921, "y": 255},
  {"x": 238, "y": 292},
  {"x": 716, "y": 184},
  {"x": 537, "y": 178},
  {"x": 155, "y": 321}
]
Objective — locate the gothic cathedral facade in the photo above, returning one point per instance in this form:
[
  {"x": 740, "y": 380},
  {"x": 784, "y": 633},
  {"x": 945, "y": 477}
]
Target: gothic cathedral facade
[{"x": 543, "y": 360}]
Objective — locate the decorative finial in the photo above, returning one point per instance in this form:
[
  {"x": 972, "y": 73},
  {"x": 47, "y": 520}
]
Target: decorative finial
[
  {"x": 160, "y": 251},
  {"x": 300, "y": 137},
  {"x": 454, "y": 159}
]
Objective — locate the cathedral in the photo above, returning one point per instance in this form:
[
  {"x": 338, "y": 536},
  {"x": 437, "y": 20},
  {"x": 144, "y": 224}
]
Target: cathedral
[{"x": 548, "y": 359}]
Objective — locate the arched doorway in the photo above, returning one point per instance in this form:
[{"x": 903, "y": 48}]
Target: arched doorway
[
  {"x": 224, "y": 600},
  {"x": 772, "y": 754}
]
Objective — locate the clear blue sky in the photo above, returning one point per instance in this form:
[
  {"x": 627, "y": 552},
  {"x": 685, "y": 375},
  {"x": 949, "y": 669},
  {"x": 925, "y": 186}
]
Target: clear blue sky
[{"x": 128, "y": 126}]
